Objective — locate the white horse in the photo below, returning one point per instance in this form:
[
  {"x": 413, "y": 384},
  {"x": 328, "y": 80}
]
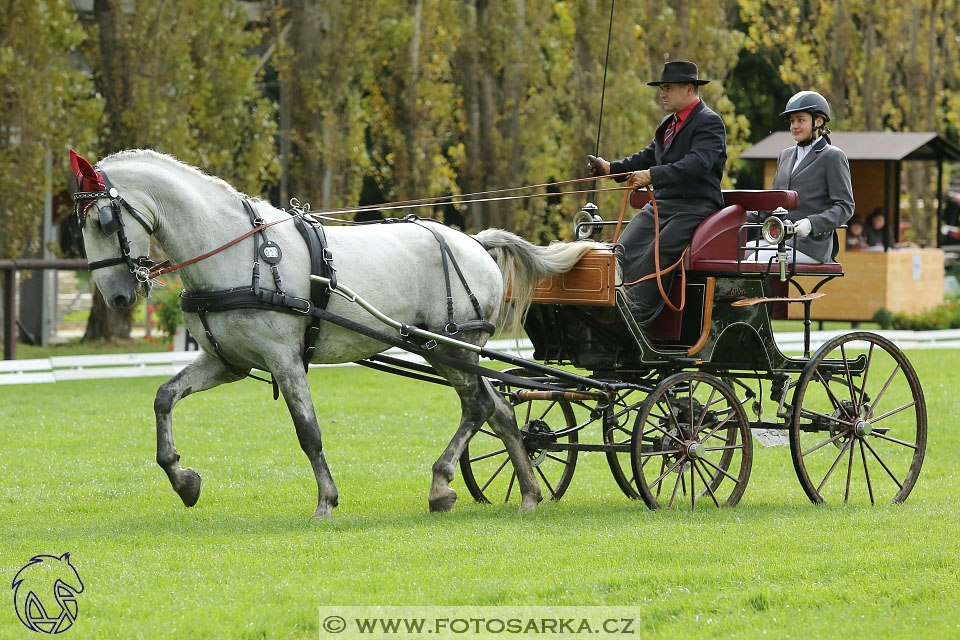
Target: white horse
[{"x": 396, "y": 267}]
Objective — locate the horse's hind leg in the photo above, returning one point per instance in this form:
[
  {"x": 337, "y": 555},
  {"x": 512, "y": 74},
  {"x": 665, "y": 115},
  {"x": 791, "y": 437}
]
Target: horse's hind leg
[
  {"x": 296, "y": 392},
  {"x": 503, "y": 421},
  {"x": 480, "y": 403},
  {"x": 203, "y": 373}
]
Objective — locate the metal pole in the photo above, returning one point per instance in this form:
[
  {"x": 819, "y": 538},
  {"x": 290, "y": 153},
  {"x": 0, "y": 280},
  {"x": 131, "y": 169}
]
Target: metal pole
[
  {"x": 939, "y": 198},
  {"x": 9, "y": 314}
]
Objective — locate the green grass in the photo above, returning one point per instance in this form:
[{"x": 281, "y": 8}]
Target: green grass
[{"x": 78, "y": 474}]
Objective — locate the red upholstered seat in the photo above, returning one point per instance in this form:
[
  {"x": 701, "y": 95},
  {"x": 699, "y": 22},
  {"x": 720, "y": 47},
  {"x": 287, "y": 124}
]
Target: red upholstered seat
[{"x": 717, "y": 240}]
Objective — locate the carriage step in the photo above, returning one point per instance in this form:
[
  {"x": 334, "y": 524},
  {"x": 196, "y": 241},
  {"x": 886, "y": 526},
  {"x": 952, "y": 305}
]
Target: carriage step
[{"x": 807, "y": 297}]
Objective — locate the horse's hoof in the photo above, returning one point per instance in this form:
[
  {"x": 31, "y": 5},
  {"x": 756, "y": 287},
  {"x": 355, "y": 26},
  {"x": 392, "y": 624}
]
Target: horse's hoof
[
  {"x": 189, "y": 490},
  {"x": 323, "y": 511},
  {"x": 530, "y": 502},
  {"x": 443, "y": 502}
]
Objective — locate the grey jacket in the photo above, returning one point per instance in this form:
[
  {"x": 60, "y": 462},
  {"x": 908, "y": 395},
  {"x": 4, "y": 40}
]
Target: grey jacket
[{"x": 822, "y": 182}]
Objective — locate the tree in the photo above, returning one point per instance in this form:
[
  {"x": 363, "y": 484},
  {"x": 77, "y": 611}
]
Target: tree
[
  {"x": 45, "y": 105},
  {"x": 321, "y": 64},
  {"x": 882, "y": 66}
]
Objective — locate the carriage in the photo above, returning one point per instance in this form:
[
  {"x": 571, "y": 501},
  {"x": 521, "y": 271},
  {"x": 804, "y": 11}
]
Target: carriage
[
  {"x": 674, "y": 406},
  {"x": 678, "y": 403}
]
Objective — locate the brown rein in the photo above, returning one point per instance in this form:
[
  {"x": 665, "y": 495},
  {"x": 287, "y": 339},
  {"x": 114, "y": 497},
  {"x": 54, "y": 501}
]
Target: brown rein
[
  {"x": 166, "y": 267},
  {"x": 657, "y": 273}
]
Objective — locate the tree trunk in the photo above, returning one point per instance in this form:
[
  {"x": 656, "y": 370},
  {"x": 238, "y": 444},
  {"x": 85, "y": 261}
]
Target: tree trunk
[
  {"x": 489, "y": 160},
  {"x": 682, "y": 29},
  {"x": 105, "y": 323},
  {"x": 411, "y": 94},
  {"x": 586, "y": 81},
  {"x": 468, "y": 71},
  {"x": 113, "y": 82}
]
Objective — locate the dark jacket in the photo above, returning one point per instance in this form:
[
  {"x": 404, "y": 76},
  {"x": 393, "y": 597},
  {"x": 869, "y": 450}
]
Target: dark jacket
[
  {"x": 692, "y": 166},
  {"x": 825, "y": 195}
]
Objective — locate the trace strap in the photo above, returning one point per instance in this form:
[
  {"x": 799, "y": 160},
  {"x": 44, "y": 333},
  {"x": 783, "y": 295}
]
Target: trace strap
[{"x": 452, "y": 328}]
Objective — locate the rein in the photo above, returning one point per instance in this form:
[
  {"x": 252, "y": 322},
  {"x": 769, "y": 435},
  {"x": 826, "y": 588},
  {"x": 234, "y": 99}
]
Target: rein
[
  {"x": 166, "y": 267},
  {"x": 658, "y": 272}
]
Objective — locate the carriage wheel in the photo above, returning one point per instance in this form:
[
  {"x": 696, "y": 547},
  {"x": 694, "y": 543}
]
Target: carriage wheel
[
  {"x": 486, "y": 467},
  {"x": 619, "y": 431},
  {"x": 691, "y": 444},
  {"x": 859, "y": 427}
]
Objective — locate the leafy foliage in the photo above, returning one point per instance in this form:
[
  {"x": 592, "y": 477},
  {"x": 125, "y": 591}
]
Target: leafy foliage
[
  {"x": 944, "y": 316},
  {"x": 45, "y": 103},
  {"x": 166, "y": 308}
]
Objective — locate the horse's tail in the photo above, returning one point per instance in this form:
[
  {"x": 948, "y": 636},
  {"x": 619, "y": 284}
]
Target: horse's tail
[{"x": 523, "y": 265}]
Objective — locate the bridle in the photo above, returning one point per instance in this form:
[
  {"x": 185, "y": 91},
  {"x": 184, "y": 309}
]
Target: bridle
[{"x": 111, "y": 222}]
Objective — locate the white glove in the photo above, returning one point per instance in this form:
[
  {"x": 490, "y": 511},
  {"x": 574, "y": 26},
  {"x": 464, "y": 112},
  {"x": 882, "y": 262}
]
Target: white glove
[{"x": 803, "y": 227}]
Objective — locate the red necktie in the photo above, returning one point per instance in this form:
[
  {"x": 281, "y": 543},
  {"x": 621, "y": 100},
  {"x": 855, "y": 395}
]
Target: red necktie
[{"x": 670, "y": 132}]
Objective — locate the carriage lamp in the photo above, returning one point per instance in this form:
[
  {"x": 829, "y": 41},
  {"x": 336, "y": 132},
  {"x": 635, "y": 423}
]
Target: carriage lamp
[
  {"x": 582, "y": 227},
  {"x": 776, "y": 230}
]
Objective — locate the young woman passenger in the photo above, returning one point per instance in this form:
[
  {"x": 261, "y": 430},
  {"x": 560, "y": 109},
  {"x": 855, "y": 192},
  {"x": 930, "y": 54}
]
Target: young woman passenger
[{"x": 820, "y": 174}]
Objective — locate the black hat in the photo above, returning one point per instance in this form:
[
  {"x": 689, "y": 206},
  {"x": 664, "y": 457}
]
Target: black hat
[{"x": 679, "y": 71}]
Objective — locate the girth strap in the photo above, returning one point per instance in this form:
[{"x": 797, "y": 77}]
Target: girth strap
[{"x": 321, "y": 264}]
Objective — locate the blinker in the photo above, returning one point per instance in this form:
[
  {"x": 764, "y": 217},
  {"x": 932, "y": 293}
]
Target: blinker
[{"x": 109, "y": 220}]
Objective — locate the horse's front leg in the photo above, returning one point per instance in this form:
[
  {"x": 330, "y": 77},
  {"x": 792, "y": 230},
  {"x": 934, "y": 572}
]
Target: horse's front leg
[
  {"x": 296, "y": 392},
  {"x": 203, "y": 373}
]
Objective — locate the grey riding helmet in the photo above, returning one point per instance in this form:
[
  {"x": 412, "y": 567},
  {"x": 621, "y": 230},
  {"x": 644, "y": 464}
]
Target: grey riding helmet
[{"x": 809, "y": 101}]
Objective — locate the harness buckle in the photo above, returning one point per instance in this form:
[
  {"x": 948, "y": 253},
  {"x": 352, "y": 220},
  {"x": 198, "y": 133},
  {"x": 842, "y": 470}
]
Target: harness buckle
[
  {"x": 305, "y": 311},
  {"x": 451, "y": 332}
]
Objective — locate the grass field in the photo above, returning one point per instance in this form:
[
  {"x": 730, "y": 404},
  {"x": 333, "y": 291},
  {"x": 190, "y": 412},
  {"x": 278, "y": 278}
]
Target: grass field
[{"x": 78, "y": 475}]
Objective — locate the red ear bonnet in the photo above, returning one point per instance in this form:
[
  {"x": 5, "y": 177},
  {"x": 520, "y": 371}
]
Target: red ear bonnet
[{"x": 88, "y": 179}]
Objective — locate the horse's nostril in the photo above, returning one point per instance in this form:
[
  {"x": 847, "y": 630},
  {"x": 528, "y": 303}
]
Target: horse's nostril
[{"x": 121, "y": 301}]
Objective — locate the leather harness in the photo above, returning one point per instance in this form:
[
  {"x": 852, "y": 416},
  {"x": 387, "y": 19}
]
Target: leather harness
[{"x": 321, "y": 264}]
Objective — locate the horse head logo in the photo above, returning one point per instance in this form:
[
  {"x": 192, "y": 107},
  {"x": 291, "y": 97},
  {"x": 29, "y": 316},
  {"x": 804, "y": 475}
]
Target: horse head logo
[{"x": 45, "y": 593}]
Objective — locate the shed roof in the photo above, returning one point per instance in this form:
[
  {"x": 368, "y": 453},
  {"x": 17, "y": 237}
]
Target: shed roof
[{"x": 866, "y": 145}]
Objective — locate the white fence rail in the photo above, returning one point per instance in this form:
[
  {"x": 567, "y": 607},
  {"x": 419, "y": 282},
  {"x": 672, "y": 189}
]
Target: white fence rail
[{"x": 137, "y": 365}]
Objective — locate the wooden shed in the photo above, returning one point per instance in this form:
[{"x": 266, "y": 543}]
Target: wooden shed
[{"x": 899, "y": 279}]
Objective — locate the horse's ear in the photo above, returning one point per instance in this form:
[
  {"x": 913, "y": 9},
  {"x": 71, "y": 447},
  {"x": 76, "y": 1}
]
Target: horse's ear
[{"x": 84, "y": 168}]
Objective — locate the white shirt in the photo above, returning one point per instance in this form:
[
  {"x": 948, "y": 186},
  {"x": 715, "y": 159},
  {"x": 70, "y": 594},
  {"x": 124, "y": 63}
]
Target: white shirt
[{"x": 802, "y": 153}]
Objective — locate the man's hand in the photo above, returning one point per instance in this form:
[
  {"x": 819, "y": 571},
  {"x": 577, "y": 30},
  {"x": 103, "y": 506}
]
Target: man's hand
[
  {"x": 598, "y": 166},
  {"x": 639, "y": 179},
  {"x": 802, "y": 228}
]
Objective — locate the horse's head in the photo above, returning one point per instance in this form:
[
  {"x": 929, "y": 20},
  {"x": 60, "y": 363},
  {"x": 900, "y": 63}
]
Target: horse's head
[{"x": 116, "y": 236}]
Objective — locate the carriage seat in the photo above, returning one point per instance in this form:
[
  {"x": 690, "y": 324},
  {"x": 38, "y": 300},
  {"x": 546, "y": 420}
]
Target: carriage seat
[{"x": 717, "y": 240}]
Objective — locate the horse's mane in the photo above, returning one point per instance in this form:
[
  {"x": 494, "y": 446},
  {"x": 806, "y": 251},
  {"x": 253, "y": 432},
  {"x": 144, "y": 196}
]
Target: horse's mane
[{"x": 134, "y": 154}]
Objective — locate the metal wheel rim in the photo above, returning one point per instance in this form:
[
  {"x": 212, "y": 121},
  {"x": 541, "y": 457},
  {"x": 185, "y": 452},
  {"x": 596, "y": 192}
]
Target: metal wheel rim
[
  {"x": 553, "y": 487},
  {"x": 874, "y": 458},
  {"x": 704, "y": 473}
]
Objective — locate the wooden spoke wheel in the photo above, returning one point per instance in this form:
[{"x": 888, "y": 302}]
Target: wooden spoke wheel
[
  {"x": 618, "y": 430},
  {"x": 486, "y": 467},
  {"x": 691, "y": 444},
  {"x": 859, "y": 428}
]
